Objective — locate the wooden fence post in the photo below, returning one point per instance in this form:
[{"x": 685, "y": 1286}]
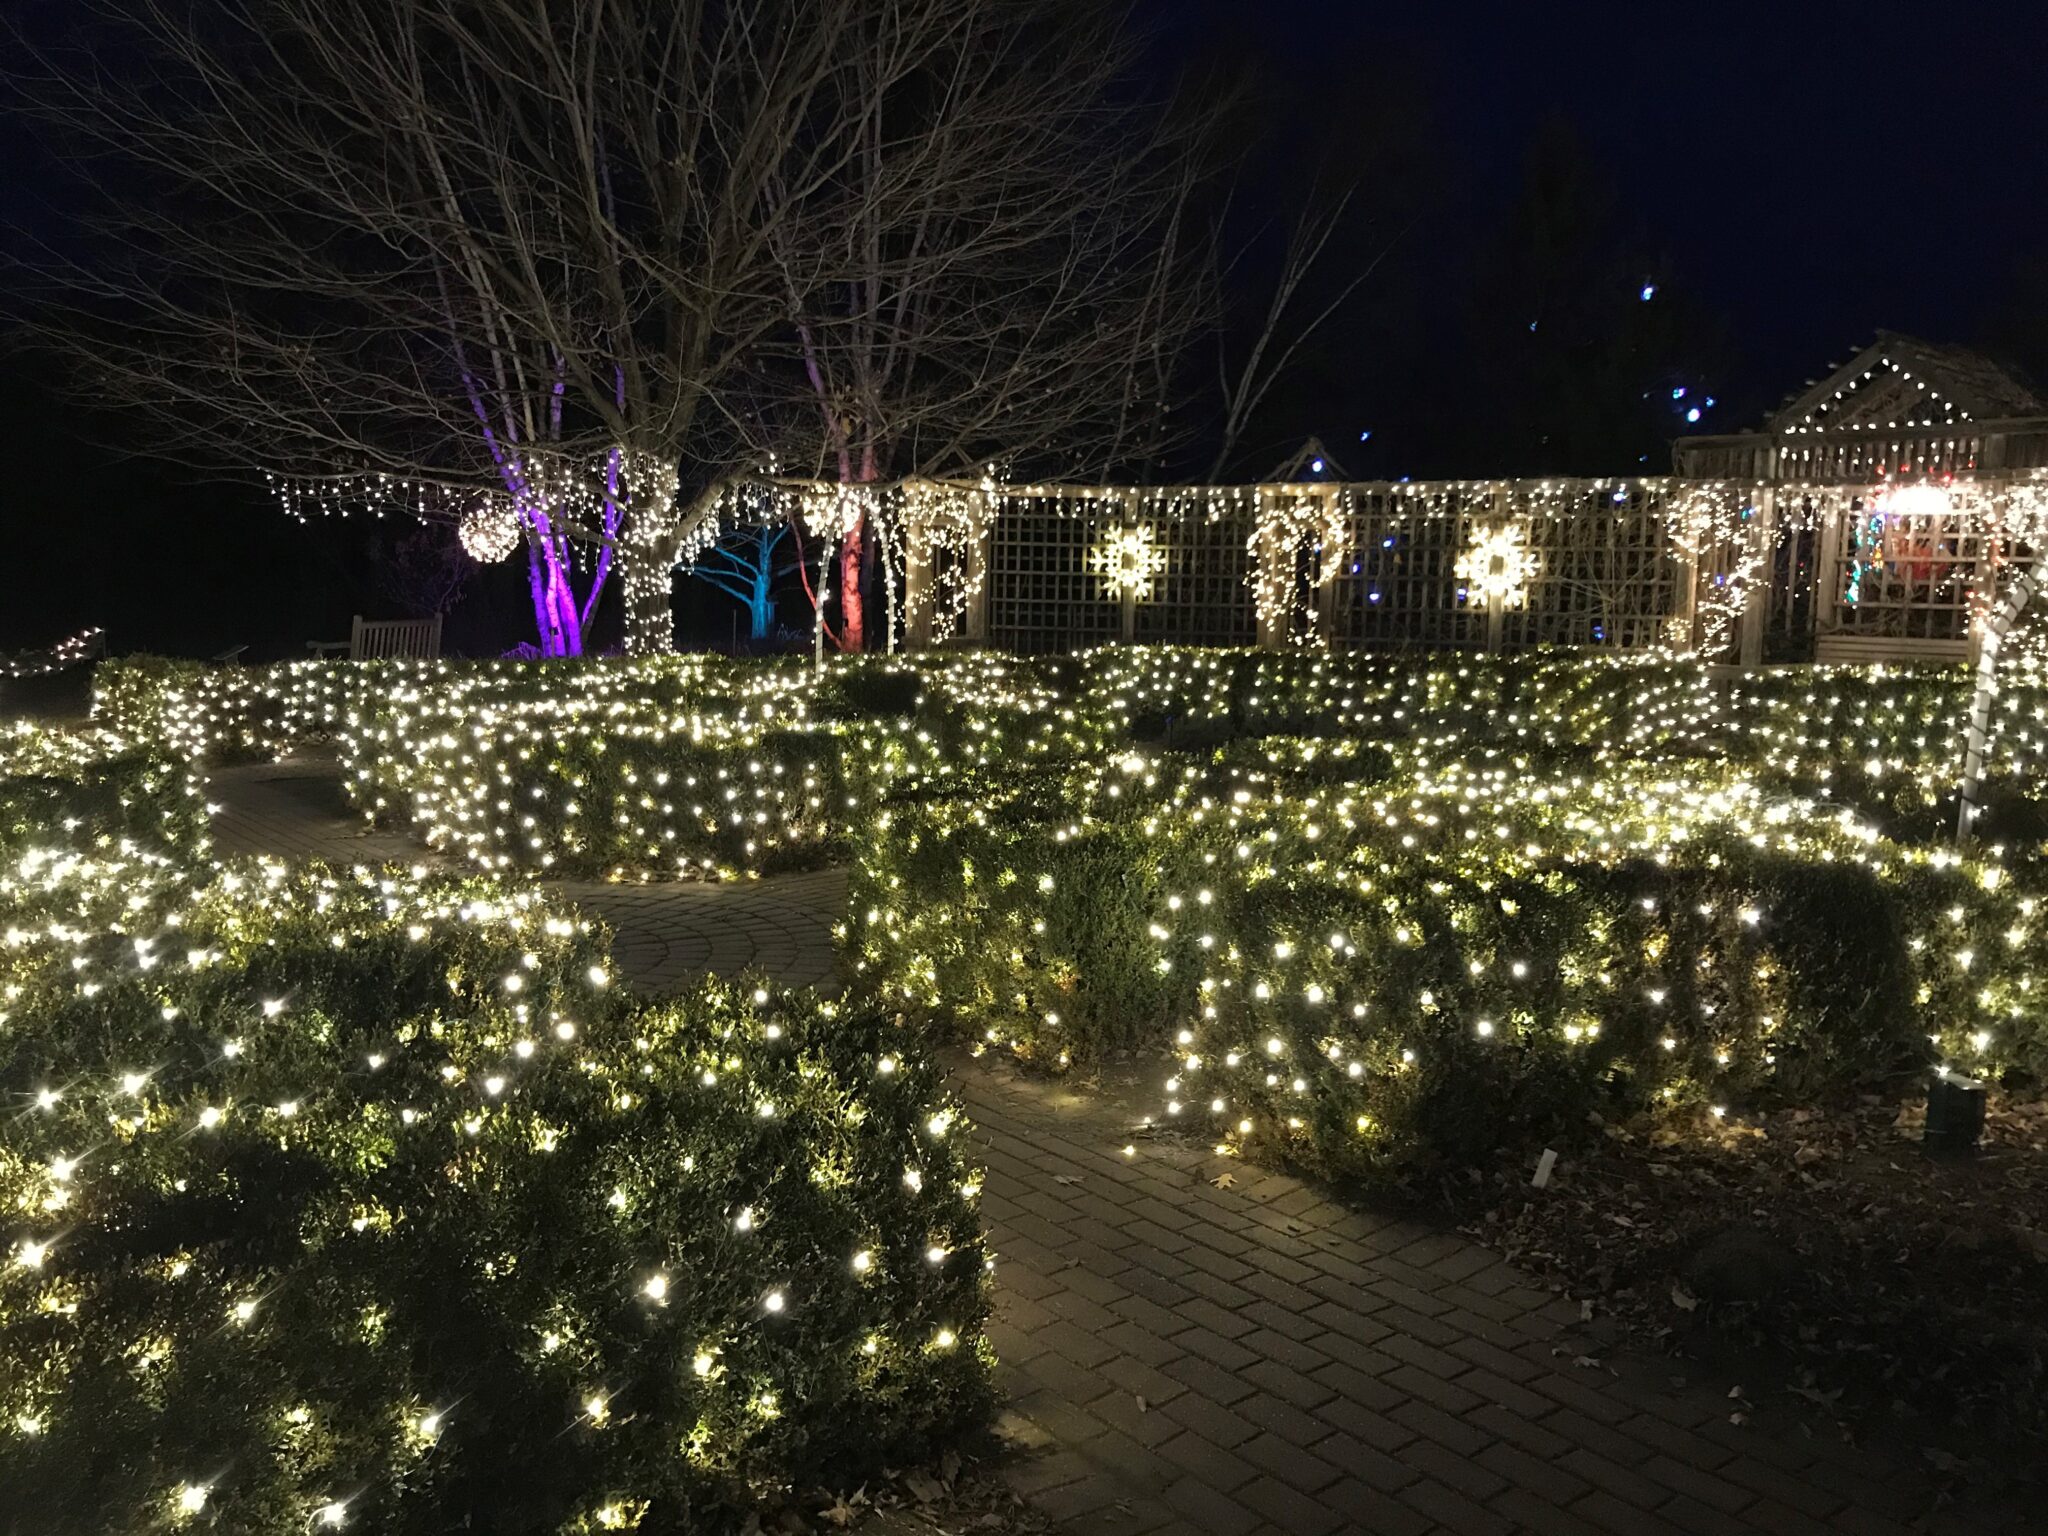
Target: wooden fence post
[
  {"x": 974, "y": 623},
  {"x": 1759, "y": 538}
]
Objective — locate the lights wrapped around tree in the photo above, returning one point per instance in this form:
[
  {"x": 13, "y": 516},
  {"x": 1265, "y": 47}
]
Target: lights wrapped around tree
[{"x": 489, "y": 532}]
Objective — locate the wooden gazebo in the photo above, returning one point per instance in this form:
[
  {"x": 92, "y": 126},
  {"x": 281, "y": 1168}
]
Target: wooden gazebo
[{"x": 1877, "y": 496}]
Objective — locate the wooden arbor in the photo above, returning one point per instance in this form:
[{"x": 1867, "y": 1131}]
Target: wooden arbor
[{"x": 1881, "y": 489}]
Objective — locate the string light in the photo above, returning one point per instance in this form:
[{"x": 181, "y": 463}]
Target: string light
[
  {"x": 489, "y": 532},
  {"x": 115, "y": 910},
  {"x": 68, "y": 652}
]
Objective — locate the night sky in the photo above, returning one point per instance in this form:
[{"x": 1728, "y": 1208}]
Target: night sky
[
  {"x": 1802, "y": 174},
  {"x": 1817, "y": 170}
]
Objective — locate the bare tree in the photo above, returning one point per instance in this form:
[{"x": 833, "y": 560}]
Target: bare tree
[
  {"x": 423, "y": 571},
  {"x": 1010, "y": 281},
  {"x": 1285, "y": 326},
  {"x": 517, "y": 259},
  {"x": 743, "y": 564}
]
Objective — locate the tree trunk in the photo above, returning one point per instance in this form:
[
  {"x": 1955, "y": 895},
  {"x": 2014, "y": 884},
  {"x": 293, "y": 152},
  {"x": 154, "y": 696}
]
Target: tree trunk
[
  {"x": 761, "y": 605},
  {"x": 650, "y": 626},
  {"x": 650, "y": 533},
  {"x": 851, "y": 635}
]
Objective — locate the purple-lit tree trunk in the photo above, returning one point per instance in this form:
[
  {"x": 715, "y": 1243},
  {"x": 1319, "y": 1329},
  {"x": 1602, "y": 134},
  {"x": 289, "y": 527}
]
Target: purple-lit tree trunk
[{"x": 560, "y": 616}]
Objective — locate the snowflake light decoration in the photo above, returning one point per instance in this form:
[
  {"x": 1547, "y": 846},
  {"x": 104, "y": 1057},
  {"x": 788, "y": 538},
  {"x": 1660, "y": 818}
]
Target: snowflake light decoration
[
  {"x": 1128, "y": 560},
  {"x": 1496, "y": 566},
  {"x": 489, "y": 532}
]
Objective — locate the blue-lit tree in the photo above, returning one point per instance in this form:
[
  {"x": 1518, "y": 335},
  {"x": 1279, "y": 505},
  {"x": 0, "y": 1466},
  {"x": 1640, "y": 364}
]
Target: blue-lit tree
[{"x": 744, "y": 565}]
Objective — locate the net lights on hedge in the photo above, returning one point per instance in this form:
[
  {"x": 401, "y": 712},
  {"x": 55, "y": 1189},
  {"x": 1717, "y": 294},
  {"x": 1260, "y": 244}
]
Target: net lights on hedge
[{"x": 459, "y": 1092}]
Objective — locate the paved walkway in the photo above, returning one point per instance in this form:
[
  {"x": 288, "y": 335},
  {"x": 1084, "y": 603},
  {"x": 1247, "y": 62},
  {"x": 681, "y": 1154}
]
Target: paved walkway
[
  {"x": 663, "y": 934},
  {"x": 1195, "y": 1354}
]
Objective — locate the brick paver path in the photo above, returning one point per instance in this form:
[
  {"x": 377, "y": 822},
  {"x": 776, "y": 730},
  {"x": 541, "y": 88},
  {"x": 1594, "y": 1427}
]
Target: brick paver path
[
  {"x": 1252, "y": 1356},
  {"x": 663, "y": 934},
  {"x": 1259, "y": 1357}
]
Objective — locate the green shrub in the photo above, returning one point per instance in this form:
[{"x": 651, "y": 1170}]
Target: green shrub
[
  {"x": 223, "y": 714},
  {"x": 865, "y": 692},
  {"x": 618, "y": 797},
  {"x": 360, "y": 1198},
  {"x": 1021, "y": 925},
  {"x": 89, "y": 791},
  {"x": 131, "y": 694}
]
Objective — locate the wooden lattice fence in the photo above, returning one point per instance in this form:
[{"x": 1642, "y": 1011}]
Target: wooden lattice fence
[{"x": 1606, "y": 567}]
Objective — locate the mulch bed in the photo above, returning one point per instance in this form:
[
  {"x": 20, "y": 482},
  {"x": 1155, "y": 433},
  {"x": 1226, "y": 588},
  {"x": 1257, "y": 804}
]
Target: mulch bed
[{"x": 1881, "y": 1283}]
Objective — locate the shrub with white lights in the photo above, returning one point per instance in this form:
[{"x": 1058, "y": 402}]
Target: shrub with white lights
[
  {"x": 94, "y": 791},
  {"x": 1056, "y": 854},
  {"x": 366, "y": 1200}
]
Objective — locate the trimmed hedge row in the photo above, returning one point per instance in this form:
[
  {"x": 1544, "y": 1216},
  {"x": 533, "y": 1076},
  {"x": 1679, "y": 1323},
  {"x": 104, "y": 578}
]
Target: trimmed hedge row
[
  {"x": 1022, "y": 832},
  {"x": 1368, "y": 976},
  {"x": 1872, "y": 737},
  {"x": 753, "y": 773},
  {"x": 92, "y": 792},
  {"x": 363, "y": 1198}
]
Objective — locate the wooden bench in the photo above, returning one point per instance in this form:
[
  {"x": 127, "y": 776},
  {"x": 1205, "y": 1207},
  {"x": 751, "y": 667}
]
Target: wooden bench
[
  {"x": 1862, "y": 650},
  {"x": 386, "y": 640}
]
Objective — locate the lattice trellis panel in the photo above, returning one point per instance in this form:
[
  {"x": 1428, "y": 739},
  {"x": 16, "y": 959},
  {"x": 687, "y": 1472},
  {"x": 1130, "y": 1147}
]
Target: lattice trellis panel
[
  {"x": 1200, "y": 596},
  {"x": 1606, "y": 568},
  {"x": 1045, "y": 594},
  {"x": 1396, "y": 583},
  {"x": 1041, "y": 594},
  {"x": 1908, "y": 571},
  {"x": 1604, "y": 565}
]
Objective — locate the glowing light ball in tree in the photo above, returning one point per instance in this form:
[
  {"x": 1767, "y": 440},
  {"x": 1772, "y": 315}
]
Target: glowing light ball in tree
[{"x": 489, "y": 532}]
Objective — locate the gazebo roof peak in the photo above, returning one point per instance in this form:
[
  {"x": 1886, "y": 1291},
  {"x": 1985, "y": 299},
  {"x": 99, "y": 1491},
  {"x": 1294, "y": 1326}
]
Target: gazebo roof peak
[{"x": 1901, "y": 381}]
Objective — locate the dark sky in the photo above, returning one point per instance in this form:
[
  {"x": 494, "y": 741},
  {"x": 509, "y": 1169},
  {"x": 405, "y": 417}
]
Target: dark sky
[
  {"x": 1809, "y": 171},
  {"x": 1816, "y": 168}
]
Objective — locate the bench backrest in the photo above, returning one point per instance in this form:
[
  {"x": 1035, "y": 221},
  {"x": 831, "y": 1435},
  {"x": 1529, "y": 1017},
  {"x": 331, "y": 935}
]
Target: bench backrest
[
  {"x": 380, "y": 639},
  {"x": 1861, "y": 650}
]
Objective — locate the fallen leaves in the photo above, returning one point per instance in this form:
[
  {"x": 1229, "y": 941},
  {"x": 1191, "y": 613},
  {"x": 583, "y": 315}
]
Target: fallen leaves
[
  {"x": 845, "y": 1508},
  {"x": 1882, "y": 1278}
]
